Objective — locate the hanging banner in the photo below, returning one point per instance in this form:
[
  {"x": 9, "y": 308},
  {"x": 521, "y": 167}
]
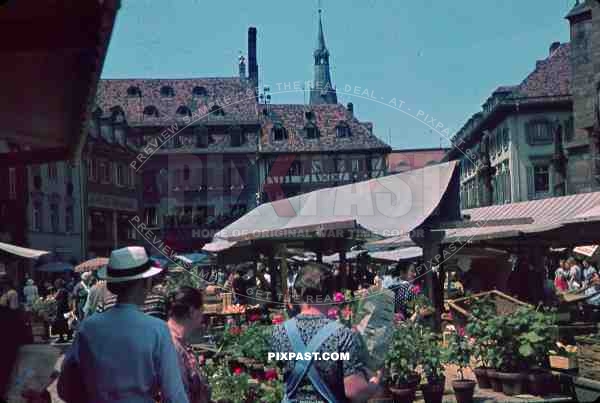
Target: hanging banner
[{"x": 587, "y": 250}]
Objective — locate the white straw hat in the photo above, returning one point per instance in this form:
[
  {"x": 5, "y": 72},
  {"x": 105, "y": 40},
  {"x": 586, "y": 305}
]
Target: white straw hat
[{"x": 127, "y": 264}]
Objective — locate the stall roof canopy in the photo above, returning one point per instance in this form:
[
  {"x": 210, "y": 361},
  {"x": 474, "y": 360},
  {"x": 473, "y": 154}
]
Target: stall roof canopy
[
  {"x": 383, "y": 207},
  {"x": 538, "y": 216},
  {"x": 22, "y": 252},
  {"x": 59, "y": 48}
]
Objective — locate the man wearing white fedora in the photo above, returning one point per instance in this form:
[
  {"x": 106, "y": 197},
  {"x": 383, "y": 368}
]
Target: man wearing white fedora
[{"x": 123, "y": 355}]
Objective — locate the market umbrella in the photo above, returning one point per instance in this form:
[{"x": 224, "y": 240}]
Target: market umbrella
[
  {"x": 92, "y": 264},
  {"x": 55, "y": 267}
]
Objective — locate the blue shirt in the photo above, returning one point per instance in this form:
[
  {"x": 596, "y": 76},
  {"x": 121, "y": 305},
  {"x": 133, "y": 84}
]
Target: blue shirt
[{"x": 123, "y": 355}]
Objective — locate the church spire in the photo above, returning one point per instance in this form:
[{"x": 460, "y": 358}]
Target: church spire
[{"x": 322, "y": 91}]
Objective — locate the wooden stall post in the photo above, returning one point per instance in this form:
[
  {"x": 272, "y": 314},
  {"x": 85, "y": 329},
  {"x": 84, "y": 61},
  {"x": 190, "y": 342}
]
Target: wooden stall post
[
  {"x": 284, "y": 273},
  {"x": 431, "y": 243}
]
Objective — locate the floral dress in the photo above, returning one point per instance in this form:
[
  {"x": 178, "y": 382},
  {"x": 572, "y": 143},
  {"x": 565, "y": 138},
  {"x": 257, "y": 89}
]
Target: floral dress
[{"x": 196, "y": 386}]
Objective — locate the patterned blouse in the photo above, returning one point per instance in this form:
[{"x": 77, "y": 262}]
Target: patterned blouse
[
  {"x": 196, "y": 386},
  {"x": 332, "y": 372}
]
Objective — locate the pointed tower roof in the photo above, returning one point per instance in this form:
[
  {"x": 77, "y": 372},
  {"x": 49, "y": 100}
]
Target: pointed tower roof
[{"x": 321, "y": 48}]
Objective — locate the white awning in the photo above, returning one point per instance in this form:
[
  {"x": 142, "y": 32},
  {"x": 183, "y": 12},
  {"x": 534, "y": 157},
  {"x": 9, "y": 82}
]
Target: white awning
[
  {"x": 587, "y": 250},
  {"x": 22, "y": 252}
]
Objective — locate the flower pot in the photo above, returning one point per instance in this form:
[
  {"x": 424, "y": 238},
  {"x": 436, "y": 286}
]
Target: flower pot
[
  {"x": 483, "y": 380},
  {"x": 513, "y": 383},
  {"x": 494, "y": 380},
  {"x": 404, "y": 393},
  {"x": 539, "y": 383},
  {"x": 433, "y": 390},
  {"x": 464, "y": 390}
]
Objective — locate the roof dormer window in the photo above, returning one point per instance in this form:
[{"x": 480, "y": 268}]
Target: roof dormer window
[
  {"x": 167, "y": 92},
  {"x": 279, "y": 133},
  {"x": 199, "y": 91},
  {"x": 134, "y": 91},
  {"x": 183, "y": 111},
  {"x": 312, "y": 131},
  {"x": 151, "y": 111},
  {"x": 343, "y": 130},
  {"x": 216, "y": 110}
]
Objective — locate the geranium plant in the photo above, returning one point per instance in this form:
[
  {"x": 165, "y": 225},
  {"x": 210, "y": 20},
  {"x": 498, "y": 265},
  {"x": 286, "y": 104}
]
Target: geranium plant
[
  {"x": 402, "y": 357},
  {"x": 432, "y": 355},
  {"x": 228, "y": 385},
  {"x": 459, "y": 352}
]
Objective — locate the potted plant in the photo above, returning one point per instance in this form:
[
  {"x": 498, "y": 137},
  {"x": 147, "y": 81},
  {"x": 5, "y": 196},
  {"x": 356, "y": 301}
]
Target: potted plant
[
  {"x": 459, "y": 353},
  {"x": 483, "y": 340},
  {"x": 272, "y": 388},
  {"x": 432, "y": 357},
  {"x": 508, "y": 361},
  {"x": 534, "y": 347},
  {"x": 401, "y": 363},
  {"x": 228, "y": 386}
]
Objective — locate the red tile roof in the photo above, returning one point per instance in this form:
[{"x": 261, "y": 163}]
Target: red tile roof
[
  {"x": 551, "y": 77},
  {"x": 326, "y": 117},
  {"x": 408, "y": 160},
  {"x": 233, "y": 94}
]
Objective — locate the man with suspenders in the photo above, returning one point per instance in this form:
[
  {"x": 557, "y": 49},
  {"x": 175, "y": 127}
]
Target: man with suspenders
[{"x": 331, "y": 370}]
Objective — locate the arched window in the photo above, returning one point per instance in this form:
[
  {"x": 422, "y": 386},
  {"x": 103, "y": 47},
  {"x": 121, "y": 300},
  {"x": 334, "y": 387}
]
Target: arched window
[
  {"x": 216, "y": 110},
  {"x": 343, "y": 130},
  {"x": 199, "y": 91},
  {"x": 183, "y": 111},
  {"x": 134, "y": 91},
  {"x": 167, "y": 91},
  {"x": 151, "y": 110},
  {"x": 279, "y": 133}
]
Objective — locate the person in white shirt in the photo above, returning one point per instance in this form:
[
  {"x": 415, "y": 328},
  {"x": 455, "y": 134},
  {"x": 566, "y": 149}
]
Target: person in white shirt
[
  {"x": 588, "y": 272},
  {"x": 30, "y": 291},
  {"x": 575, "y": 277}
]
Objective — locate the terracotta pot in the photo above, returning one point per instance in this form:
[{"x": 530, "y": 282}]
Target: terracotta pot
[
  {"x": 433, "y": 391},
  {"x": 513, "y": 383},
  {"x": 494, "y": 380},
  {"x": 539, "y": 383},
  {"x": 483, "y": 380},
  {"x": 464, "y": 390}
]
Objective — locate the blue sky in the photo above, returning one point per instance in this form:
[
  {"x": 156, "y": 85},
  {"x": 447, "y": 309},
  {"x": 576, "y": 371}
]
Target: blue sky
[{"x": 441, "y": 58}]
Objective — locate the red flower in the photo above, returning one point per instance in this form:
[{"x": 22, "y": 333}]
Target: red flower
[
  {"x": 235, "y": 331},
  {"x": 271, "y": 375},
  {"x": 238, "y": 371},
  {"x": 254, "y": 317},
  {"x": 416, "y": 289},
  {"x": 277, "y": 319},
  {"x": 347, "y": 313},
  {"x": 460, "y": 331},
  {"x": 332, "y": 313}
]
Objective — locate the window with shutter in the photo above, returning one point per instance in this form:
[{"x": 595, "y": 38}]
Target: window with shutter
[{"x": 530, "y": 185}]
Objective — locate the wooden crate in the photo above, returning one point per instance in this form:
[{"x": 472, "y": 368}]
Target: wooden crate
[
  {"x": 588, "y": 356},
  {"x": 505, "y": 305},
  {"x": 562, "y": 362}
]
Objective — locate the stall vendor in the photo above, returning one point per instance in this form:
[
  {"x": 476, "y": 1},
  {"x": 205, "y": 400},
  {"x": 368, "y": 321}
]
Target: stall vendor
[{"x": 594, "y": 290}]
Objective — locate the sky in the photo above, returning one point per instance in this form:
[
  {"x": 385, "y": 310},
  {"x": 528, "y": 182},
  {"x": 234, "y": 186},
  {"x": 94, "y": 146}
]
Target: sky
[{"x": 407, "y": 66}]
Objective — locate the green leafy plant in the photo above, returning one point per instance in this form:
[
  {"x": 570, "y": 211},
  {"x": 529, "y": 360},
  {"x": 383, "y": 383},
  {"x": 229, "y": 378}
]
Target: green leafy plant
[
  {"x": 402, "y": 357},
  {"x": 459, "y": 352},
  {"x": 484, "y": 338},
  {"x": 227, "y": 385},
  {"x": 432, "y": 355},
  {"x": 251, "y": 342},
  {"x": 271, "y": 391},
  {"x": 536, "y": 341}
]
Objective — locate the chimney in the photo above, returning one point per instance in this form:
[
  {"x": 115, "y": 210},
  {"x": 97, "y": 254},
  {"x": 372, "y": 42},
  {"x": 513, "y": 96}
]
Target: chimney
[
  {"x": 242, "y": 67},
  {"x": 252, "y": 65},
  {"x": 553, "y": 47},
  {"x": 350, "y": 108}
]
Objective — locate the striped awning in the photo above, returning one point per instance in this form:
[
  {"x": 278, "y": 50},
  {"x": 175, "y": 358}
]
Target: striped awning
[{"x": 538, "y": 216}]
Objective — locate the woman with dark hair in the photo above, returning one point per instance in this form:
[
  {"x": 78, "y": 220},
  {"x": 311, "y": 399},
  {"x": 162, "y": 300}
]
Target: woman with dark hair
[
  {"x": 185, "y": 317},
  {"x": 311, "y": 332}
]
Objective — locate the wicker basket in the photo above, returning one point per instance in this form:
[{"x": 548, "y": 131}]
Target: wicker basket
[
  {"x": 505, "y": 305},
  {"x": 588, "y": 356}
]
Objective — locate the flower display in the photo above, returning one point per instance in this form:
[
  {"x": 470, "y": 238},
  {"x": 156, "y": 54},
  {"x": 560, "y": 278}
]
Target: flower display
[
  {"x": 333, "y": 313},
  {"x": 339, "y": 297},
  {"x": 277, "y": 319}
]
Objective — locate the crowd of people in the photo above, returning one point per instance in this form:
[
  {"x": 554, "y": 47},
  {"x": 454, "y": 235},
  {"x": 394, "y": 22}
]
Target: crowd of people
[{"x": 573, "y": 276}]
